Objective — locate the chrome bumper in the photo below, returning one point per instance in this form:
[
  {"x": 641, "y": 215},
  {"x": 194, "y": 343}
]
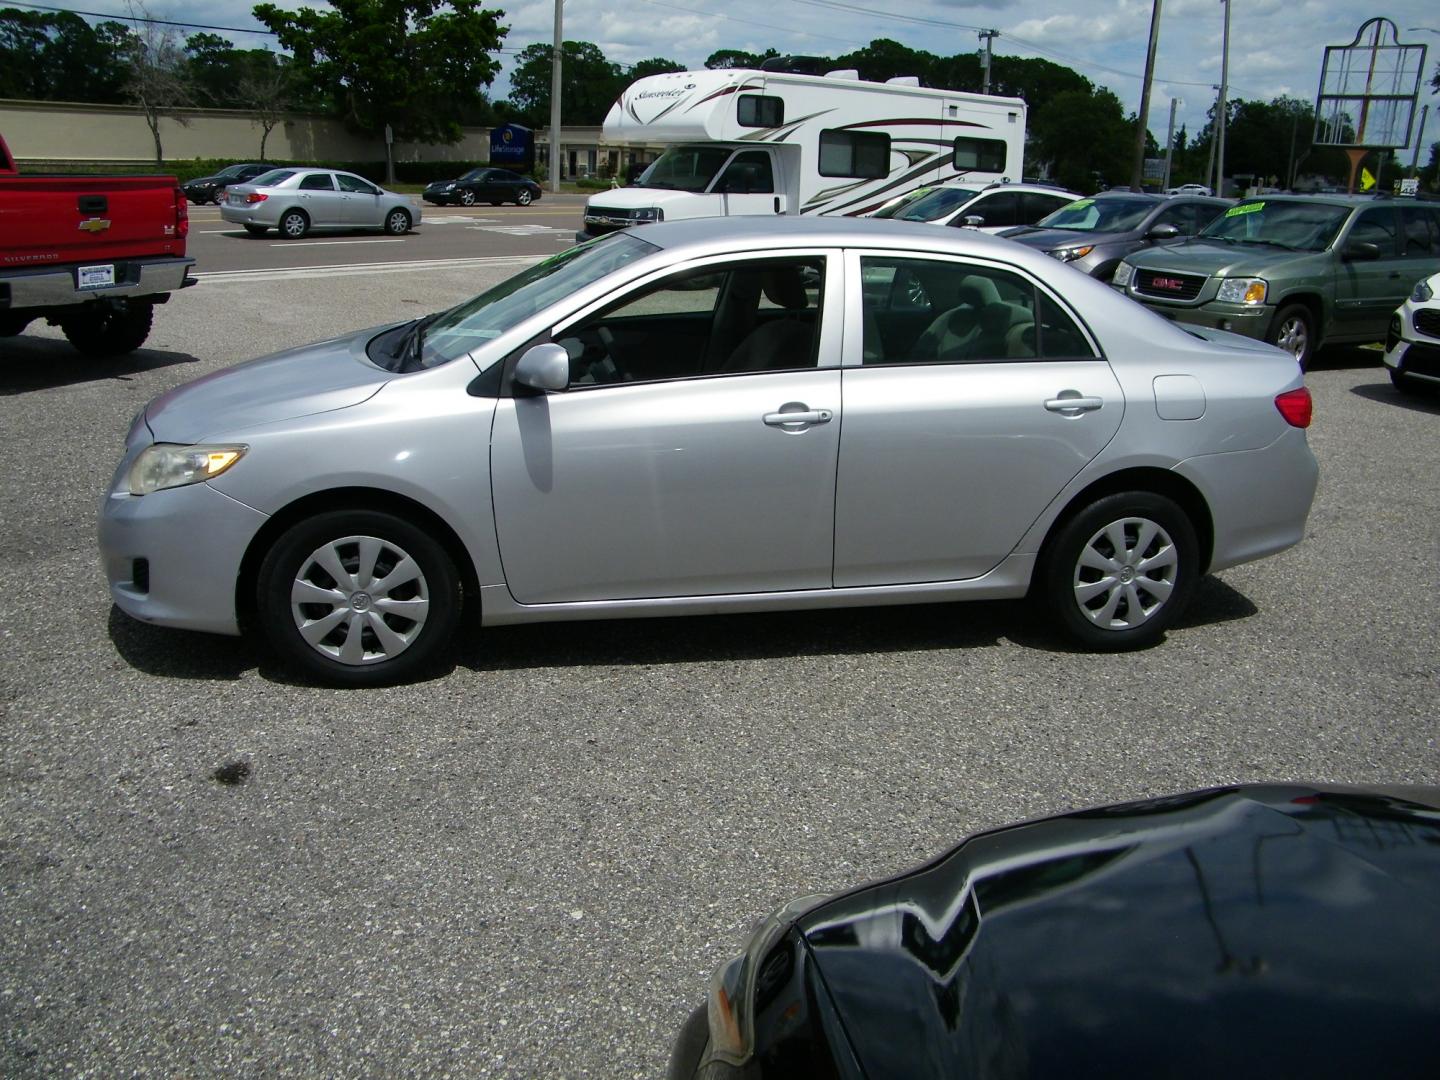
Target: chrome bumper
[{"x": 55, "y": 286}]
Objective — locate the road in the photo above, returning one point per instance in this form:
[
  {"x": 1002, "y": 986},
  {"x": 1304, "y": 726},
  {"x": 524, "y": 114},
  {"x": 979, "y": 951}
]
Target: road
[{"x": 529, "y": 865}]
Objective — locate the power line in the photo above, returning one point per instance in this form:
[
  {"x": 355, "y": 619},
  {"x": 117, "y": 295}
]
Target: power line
[{"x": 752, "y": 22}]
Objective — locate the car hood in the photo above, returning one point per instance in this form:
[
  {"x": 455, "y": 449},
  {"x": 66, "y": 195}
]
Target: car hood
[
  {"x": 637, "y": 198},
  {"x": 312, "y": 379},
  {"x": 1289, "y": 923},
  {"x": 1210, "y": 258},
  {"x": 203, "y": 180},
  {"x": 1054, "y": 239}
]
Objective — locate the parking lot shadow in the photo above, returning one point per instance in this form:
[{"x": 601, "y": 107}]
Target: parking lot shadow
[
  {"x": 1338, "y": 357},
  {"x": 1386, "y": 394},
  {"x": 35, "y": 363},
  {"x": 179, "y": 654}
]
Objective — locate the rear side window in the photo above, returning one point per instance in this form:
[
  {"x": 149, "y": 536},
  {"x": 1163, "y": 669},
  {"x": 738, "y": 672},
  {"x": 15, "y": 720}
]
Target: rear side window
[
  {"x": 1034, "y": 206},
  {"x": 316, "y": 182},
  {"x": 863, "y": 154},
  {"x": 760, "y": 110},
  {"x": 1420, "y": 230},
  {"x": 984, "y": 155}
]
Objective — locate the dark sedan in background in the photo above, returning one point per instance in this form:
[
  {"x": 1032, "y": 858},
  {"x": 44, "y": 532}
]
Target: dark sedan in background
[
  {"x": 1253, "y": 931},
  {"x": 1094, "y": 234},
  {"x": 493, "y": 186},
  {"x": 207, "y": 189}
]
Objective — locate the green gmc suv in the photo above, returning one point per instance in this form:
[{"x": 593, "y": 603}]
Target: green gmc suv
[{"x": 1298, "y": 271}]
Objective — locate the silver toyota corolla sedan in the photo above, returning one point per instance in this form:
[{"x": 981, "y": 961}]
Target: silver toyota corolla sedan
[
  {"x": 715, "y": 416},
  {"x": 294, "y": 201}
]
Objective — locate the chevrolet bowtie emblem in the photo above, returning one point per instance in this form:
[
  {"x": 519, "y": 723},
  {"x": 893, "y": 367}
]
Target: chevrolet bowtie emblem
[{"x": 95, "y": 225}]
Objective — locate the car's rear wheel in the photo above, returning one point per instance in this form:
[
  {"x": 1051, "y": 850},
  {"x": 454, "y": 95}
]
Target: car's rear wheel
[
  {"x": 256, "y": 230},
  {"x": 467, "y": 198},
  {"x": 109, "y": 331},
  {"x": 1293, "y": 329},
  {"x": 397, "y": 223},
  {"x": 358, "y": 598},
  {"x": 294, "y": 224},
  {"x": 522, "y": 198},
  {"x": 1121, "y": 571}
]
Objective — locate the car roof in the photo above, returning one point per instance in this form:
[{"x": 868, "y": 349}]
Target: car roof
[
  {"x": 1326, "y": 200},
  {"x": 985, "y": 186}
]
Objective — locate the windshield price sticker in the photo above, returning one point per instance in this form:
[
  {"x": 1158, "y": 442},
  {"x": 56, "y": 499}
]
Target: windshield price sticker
[
  {"x": 1080, "y": 204},
  {"x": 1245, "y": 208},
  {"x": 96, "y": 277}
]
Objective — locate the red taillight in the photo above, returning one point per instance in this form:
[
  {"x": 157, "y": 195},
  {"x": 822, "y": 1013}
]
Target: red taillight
[
  {"x": 1296, "y": 407},
  {"x": 182, "y": 214},
  {"x": 254, "y": 197}
]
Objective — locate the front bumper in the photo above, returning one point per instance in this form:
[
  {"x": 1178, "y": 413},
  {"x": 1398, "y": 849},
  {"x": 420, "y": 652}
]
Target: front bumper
[
  {"x": 56, "y": 286},
  {"x": 1251, "y": 320},
  {"x": 172, "y": 557}
]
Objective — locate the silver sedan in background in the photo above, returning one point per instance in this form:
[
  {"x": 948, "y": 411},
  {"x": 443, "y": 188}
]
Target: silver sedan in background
[
  {"x": 707, "y": 416},
  {"x": 294, "y": 201}
]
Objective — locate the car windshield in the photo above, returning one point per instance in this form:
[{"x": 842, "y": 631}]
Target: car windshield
[
  {"x": 273, "y": 178},
  {"x": 939, "y": 202},
  {"x": 1297, "y": 225},
  {"x": 894, "y": 206},
  {"x": 231, "y": 170},
  {"x": 1099, "y": 215},
  {"x": 685, "y": 168},
  {"x": 438, "y": 339},
  {"x": 474, "y": 174}
]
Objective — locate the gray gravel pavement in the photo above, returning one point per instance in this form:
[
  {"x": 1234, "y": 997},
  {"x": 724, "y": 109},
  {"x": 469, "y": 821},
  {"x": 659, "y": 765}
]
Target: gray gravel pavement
[{"x": 529, "y": 866}]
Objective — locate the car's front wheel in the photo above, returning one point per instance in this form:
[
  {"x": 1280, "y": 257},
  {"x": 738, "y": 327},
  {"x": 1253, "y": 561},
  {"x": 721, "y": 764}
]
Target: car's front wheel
[
  {"x": 1121, "y": 571},
  {"x": 294, "y": 224},
  {"x": 1293, "y": 329},
  {"x": 358, "y": 598},
  {"x": 522, "y": 198},
  {"x": 467, "y": 198},
  {"x": 1404, "y": 383},
  {"x": 397, "y": 223}
]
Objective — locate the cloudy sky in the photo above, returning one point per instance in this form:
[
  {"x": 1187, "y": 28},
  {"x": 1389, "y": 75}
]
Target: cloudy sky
[{"x": 1276, "y": 46}]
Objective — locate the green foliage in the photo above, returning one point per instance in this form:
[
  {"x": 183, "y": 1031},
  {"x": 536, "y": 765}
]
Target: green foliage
[
  {"x": 1086, "y": 138},
  {"x": 656, "y": 65},
  {"x": 406, "y": 63},
  {"x": 589, "y": 83},
  {"x": 735, "y": 58},
  {"x": 50, "y": 56}
]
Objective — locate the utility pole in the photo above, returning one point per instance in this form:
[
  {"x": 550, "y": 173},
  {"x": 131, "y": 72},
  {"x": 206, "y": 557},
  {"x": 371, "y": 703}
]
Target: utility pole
[
  {"x": 1170, "y": 143},
  {"x": 555, "y": 100},
  {"x": 1420, "y": 138},
  {"x": 1224, "y": 90},
  {"x": 986, "y": 37},
  {"x": 1142, "y": 128},
  {"x": 1214, "y": 138}
]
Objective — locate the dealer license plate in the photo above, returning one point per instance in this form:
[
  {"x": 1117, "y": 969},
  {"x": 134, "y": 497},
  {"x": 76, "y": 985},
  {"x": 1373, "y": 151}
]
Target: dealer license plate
[{"x": 96, "y": 277}]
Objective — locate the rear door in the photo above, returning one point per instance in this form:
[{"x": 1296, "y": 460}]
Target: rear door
[{"x": 321, "y": 202}]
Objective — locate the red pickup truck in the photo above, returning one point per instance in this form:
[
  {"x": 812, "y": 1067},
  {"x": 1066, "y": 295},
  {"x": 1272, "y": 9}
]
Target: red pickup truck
[{"x": 91, "y": 255}]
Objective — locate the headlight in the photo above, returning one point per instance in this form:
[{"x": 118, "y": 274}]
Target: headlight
[
  {"x": 166, "y": 465},
  {"x": 650, "y": 213},
  {"x": 1422, "y": 292},
  {"x": 1242, "y": 290},
  {"x": 1123, "y": 273},
  {"x": 1071, "y": 254}
]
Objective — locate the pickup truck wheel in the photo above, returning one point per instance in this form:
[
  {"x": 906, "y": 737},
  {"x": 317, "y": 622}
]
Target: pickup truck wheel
[
  {"x": 294, "y": 224},
  {"x": 10, "y": 325},
  {"x": 1294, "y": 331},
  {"x": 111, "y": 332},
  {"x": 256, "y": 230}
]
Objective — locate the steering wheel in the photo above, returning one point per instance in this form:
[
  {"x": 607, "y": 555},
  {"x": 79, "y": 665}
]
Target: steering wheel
[{"x": 611, "y": 364}]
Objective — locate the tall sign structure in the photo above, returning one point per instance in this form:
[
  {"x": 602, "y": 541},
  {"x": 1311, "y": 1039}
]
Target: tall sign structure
[{"x": 1368, "y": 91}]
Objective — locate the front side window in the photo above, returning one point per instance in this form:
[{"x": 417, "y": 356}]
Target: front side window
[
  {"x": 355, "y": 184},
  {"x": 999, "y": 210},
  {"x": 317, "y": 182},
  {"x": 1182, "y": 217},
  {"x": 980, "y": 155},
  {"x": 921, "y": 311},
  {"x": 684, "y": 168},
  {"x": 1375, "y": 226},
  {"x": 760, "y": 110},
  {"x": 761, "y": 315},
  {"x": 862, "y": 154},
  {"x": 1034, "y": 206},
  {"x": 749, "y": 172}
]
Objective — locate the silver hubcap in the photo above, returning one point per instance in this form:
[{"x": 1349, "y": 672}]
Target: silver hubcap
[
  {"x": 523, "y": 198},
  {"x": 398, "y": 222},
  {"x": 468, "y": 198},
  {"x": 294, "y": 225},
  {"x": 359, "y": 600},
  {"x": 1292, "y": 337},
  {"x": 1125, "y": 573}
]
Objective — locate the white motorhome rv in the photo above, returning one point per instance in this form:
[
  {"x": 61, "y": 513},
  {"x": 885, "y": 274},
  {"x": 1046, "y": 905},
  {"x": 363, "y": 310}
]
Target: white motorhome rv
[{"x": 771, "y": 142}]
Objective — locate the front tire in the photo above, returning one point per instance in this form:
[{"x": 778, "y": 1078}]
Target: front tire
[
  {"x": 522, "y": 198},
  {"x": 1404, "y": 383},
  {"x": 467, "y": 198},
  {"x": 294, "y": 224},
  {"x": 1120, "y": 572},
  {"x": 109, "y": 331},
  {"x": 1293, "y": 329},
  {"x": 397, "y": 223},
  {"x": 358, "y": 598}
]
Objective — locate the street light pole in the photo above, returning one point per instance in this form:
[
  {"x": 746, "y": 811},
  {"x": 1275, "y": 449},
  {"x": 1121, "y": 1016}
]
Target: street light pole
[
  {"x": 986, "y": 37},
  {"x": 1138, "y": 167},
  {"x": 555, "y": 99},
  {"x": 1170, "y": 144},
  {"x": 1224, "y": 90}
]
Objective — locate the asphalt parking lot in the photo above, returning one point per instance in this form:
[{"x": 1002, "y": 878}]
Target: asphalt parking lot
[{"x": 530, "y": 865}]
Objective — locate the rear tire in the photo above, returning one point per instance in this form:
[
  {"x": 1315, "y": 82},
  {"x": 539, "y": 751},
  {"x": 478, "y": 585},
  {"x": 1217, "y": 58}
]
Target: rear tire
[
  {"x": 294, "y": 224},
  {"x": 1119, "y": 573},
  {"x": 1293, "y": 329},
  {"x": 109, "y": 331}
]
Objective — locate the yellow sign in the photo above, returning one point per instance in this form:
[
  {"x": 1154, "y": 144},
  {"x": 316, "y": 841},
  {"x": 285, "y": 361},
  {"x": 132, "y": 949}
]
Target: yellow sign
[{"x": 1367, "y": 180}]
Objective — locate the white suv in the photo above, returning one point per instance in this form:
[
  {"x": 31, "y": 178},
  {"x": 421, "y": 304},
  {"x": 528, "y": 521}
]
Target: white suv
[
  {"x": 1412, "y": 347},
  {"x": 998, "y": 206}
]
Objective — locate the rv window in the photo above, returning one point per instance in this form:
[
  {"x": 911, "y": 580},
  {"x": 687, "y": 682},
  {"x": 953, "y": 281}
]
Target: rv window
[
  {"x": 982, "y": 155},
  {"x": 865, "y": 154},
  {"x": 758, "y": 110}
]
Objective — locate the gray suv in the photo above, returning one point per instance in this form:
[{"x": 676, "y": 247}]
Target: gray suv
[{"x": 1094, "y": 234}]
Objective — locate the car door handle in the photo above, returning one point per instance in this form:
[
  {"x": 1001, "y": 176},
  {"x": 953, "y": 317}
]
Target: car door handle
[
  {"x": 1070, "y": 403},
  {"x": 798, "y": 416}
]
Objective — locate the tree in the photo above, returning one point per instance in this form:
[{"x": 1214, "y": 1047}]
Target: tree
[
  {"x": 59, "y": 56},
  {"x": 405, "y": 63},
  {"x": 885, "y": 59},
  {"x": 654, "y": 66},
  {"x": 589, "y": 83},
  {"x": 157, "y": 80},
  {"x": 736, "y": 58},
  {"x": 1085, "y": 136}
]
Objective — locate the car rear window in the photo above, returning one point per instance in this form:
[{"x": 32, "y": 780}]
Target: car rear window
[{"x": 273, "y": 178}]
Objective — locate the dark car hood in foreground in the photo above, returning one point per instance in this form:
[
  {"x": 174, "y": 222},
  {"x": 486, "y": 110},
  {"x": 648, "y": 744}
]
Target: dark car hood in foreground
[
  {"x": 1263, "y": 931},
  {"x": 298, "y": 382}
]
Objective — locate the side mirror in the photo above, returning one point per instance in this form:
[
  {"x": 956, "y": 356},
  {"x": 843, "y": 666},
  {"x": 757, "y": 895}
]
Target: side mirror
[
  {"x": 971, "y": 221},
  {"x": 1360, "y": 251},
  {"x": 544, "y": 367},
  {"x": 1163, "y": 232}
]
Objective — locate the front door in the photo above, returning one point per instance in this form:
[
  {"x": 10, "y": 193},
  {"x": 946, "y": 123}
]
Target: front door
[
  {"x": 694, "y": 452},
  {"x": 747, "y": 185},
  {"x": 1367, "y": 291}
]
